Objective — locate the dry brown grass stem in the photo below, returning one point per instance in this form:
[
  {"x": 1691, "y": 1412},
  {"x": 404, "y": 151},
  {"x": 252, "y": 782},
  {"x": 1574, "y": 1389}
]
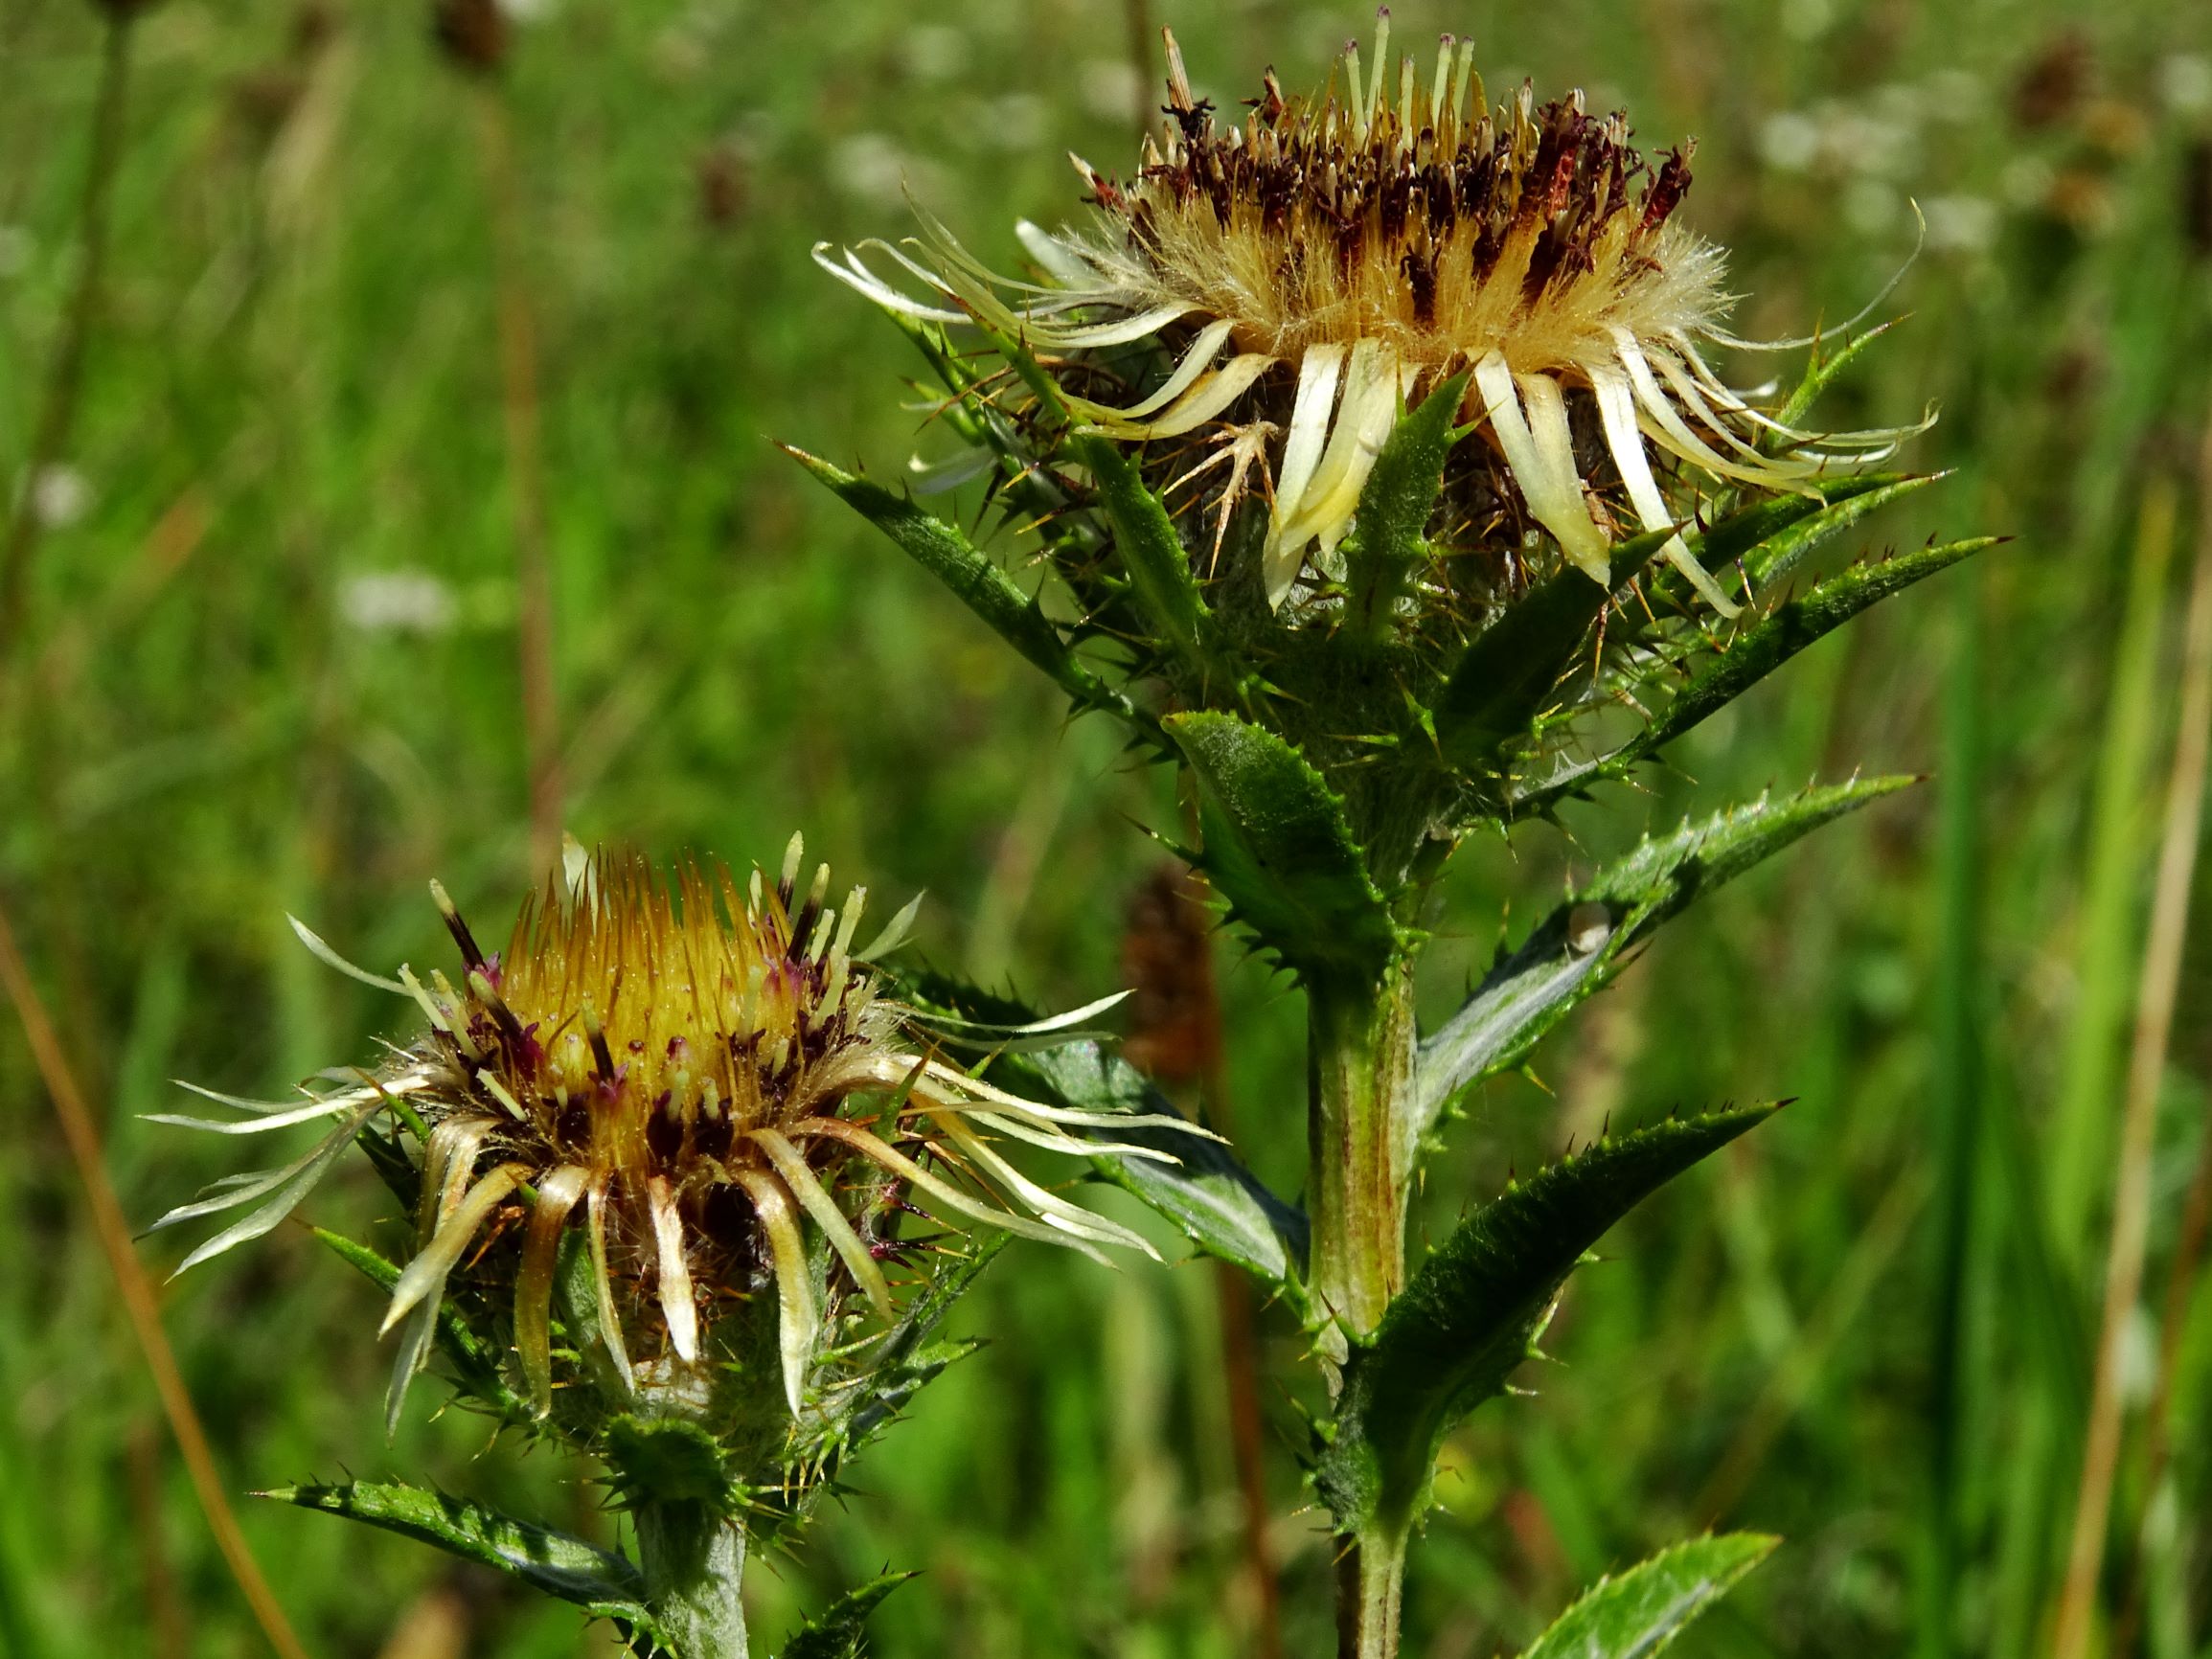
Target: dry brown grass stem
[
  {"x": 65, "y": 371},
  {"x": 526, "y": 478},
  {"x": 138, "y": 1295},
  {"x": 1140, "y": 18},
  {"x": 2162, "y": 954}
]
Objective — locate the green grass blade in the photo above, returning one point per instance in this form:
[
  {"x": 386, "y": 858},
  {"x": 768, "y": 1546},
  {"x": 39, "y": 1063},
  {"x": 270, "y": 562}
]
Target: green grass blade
[{"x": 2109, "y": 928}]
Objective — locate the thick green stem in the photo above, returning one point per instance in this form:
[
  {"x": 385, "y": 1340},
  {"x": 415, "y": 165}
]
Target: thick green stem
[
  {"x": 695, "y": 1563},
  {"x": 1369, "y": 1576},
  {"x": 1361, "y": 1050},
  {"x": 1359, "y": 1062}
]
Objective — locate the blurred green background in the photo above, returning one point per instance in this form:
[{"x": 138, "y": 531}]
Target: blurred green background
[{"x": 269, "y": 664}]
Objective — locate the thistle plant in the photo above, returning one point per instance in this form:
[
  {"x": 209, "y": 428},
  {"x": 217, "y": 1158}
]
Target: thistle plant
[
  {"x": 1384, "y": 484},
  {"x": 687, "y": 1190}
]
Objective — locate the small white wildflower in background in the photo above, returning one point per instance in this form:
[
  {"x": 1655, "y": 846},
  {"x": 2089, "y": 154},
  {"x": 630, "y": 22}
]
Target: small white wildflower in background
[
  {"x": 2185, "y": 83},
  {"x": 1806, "y": 19},
  {"x": 1789, "y": 141},
  {"x": 2026, "y": 181},
  {"x": 873, "y": 168},
  {"x": 1961, "y": 224},
  {"x": 1957, "y": 95},
  {"x": 397, "y": 602},
  {"x": 528, "y": 11},
  {"x": 1109, "y": 89},
  {"x": 17, "y": 247},
  {"x": 60, "y": 495},
  {"x": 1015, "y": 122},
  {"x": 935, "y": 52},
  {"x": 1882, "y": 140},
  {"x": 1870, "y": 206}
]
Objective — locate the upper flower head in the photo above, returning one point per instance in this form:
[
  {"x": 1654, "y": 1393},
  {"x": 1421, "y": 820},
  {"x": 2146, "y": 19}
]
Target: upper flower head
[
  {"x": 692, "y": 1073},
  {"x": 1286, "y": 285}
]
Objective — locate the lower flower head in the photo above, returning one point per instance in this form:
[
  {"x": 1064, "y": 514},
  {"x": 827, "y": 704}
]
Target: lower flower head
[{"x": 696, "y": 1078}]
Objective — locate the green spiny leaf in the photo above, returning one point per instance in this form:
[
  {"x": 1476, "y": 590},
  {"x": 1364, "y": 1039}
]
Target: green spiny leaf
[
  {"x": 1394, "y": 509},
  {"x": 837, "y": 1634},
  {"x": 1735, "y": 537},
  {"x": 1151, "y": 552},
  {"x": 906, "y": 1360},
  {"x": 1821, "y": 372},
  {"x": 1757, "y": 652},
  {"x": 1475, "y": 1309},
  {"x": 1794, "y": 626},
  {"x": 1508, "y": 674},
  {"x": 1770, "y": 562},
  {"x": 974, "y": 576},
  {"x": 1220, "y": 1205},
  {"x": 604, "y": 1585},
  {"x": 1581, "y": 945},
  {"x": 1636, "y": 1614},
  {"x": 1280, "y": 850}
]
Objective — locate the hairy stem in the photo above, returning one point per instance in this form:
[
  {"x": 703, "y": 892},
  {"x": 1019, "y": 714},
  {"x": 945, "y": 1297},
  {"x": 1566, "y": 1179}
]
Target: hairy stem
[
  {"x": 1360, "y": 1066},
  {"x": 1359, "y": 1060},
  {"x": 1369, "y": 1576},
  {"x": 694, "y": 1565}
]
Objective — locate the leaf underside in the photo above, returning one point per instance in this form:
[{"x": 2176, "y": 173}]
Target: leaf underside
[{"x": 1582, "y": 943}]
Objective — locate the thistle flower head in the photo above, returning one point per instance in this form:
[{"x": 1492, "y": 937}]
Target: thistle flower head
[
  {"x": 698, "y": 1081},
  {"x": 1278, "y": 291}
]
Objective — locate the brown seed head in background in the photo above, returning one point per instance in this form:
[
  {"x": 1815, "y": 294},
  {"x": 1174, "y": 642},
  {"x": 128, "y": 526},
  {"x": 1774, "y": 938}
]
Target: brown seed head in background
[
  {"x": 1167, "y": 960},
  {"x": 2053, "y": 82},
  {"x": 473, "y": 33}
]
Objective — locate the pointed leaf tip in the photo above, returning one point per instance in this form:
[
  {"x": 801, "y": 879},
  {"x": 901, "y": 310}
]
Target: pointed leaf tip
[
  {"x": 1576, "y": 951},
  {"x": 1638, "y": 1613},
  {"x": 1466, "y": 1319}
]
